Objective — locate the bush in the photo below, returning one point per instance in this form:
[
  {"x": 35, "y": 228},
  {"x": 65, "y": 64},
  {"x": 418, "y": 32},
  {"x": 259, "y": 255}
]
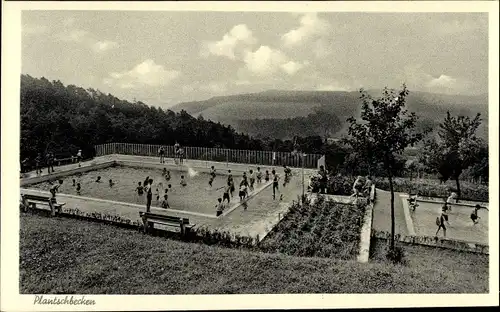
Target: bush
[
  {"x": 336, "y": 185},
  {"x": 429, "y": 189},
  {"x": 396, "y": 255}
]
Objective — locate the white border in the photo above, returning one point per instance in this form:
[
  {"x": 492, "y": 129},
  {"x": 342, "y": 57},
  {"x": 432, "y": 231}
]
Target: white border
[{"x": 11, "y": 66}]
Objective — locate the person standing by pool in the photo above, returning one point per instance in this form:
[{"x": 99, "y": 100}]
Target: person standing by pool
[
  {"x": 252, "y": 179},
  {"x": 181, "y": 155},
  {"x": 227, "y": 190},
  {"x": 38, "y": 164},
  {"x": 259, "y": 175},
  {"x": 367, "y": 187},
  {"x": 275, "y": 183},
  {"x": 288, "y": 174},
  {"x": 450, "y": 199},
  {"x": 149, "y": 195},
  {"x": 441, "y": 220},
  {"x": 79, "y": 157},
  {"x": 161, "y": 152},
  {"x": 356, "y": 187}
]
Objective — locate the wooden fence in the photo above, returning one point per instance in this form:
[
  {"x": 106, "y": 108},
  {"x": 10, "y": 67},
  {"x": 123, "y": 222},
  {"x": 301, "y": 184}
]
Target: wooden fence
[{"x": 213, "y": 154}]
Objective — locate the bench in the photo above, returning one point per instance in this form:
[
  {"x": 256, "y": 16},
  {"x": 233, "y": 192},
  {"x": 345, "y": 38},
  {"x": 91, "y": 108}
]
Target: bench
[
  {"x": 180, "y": 225},
  {"x": 30, "y": 201}
]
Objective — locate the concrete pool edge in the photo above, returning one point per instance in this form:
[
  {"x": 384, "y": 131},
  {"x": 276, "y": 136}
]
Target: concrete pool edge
[
  {"x": 99, "y": 200},
  {"x": 65, "y": 173},
  {"x": 406, "y": 209}
]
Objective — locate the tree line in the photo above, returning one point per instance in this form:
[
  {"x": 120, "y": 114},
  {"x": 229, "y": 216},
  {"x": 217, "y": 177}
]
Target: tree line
[{"x": 63, "y": 119}]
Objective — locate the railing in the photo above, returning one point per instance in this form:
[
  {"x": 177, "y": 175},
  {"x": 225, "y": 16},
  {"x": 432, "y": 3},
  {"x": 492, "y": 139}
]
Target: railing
[{"x": 212, "y": 154}]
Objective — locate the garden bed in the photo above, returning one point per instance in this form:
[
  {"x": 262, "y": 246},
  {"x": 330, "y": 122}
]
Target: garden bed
[{"x": 323, "y": 229}]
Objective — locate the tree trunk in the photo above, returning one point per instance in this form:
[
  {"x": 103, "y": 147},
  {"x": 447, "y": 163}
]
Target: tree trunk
[
  {"x": 458, "y": 188},
  {"x": 392, "y": 211}
]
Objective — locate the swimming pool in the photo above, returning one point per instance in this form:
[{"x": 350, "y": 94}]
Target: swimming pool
[
  {"x": 461, "y": 226},
  {"x": 196, "y": 196}
]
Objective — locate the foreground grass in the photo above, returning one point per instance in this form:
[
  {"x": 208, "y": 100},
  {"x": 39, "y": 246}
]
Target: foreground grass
[{"x": 70, "y": 256}]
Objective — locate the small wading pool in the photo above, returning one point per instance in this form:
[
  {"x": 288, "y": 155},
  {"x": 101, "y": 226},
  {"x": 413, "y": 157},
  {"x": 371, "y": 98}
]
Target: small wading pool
[
  {"x": 195, "y": 197},
  {"x": 461, "y": 226}
]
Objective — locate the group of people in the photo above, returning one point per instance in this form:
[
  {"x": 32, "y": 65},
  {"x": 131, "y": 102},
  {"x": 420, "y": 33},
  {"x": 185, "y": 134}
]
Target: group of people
[
  {"x": 179, "y": 154},
  {"x": 47, "y": 161},
  {"x": 362, "y": 188},
  {"x": 247, "y": 185}
]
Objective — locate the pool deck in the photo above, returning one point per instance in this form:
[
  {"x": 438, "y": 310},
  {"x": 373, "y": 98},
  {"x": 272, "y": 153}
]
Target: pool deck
[
  {"x": 382, "y": 213},
  {"x": 254, "y": 217}
]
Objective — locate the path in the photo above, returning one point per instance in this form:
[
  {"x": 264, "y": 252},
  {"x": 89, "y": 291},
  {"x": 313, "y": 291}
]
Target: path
[{"x": 382, "y": 213}]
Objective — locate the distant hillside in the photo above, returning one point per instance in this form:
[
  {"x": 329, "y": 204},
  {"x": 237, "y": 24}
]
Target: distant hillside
[{"x": 241, "y": 110}]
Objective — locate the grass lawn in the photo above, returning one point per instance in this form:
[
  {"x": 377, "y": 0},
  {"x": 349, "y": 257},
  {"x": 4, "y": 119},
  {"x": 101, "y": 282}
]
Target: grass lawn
[
  {"x": 439, "y": 264},
  {"x": 70, "y": 256}
]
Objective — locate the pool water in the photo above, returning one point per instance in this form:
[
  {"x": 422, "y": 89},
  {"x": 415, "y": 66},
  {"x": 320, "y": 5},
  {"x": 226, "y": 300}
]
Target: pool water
[
  {"x": 196, "y": 196},
  {"x": 461, "y": 226}
]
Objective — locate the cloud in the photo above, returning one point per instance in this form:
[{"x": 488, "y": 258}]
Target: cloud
[
  {"x": 145, "y": 74},
  {"x": 320, "y": 49},
  {"x": 331, "y": 87},
  {"x": 238, "y": 35},
  {"x": 76, "y": 35},
  {"x": 443, "y": 81},
  {"x": 214, "y": 87},
  {"x": 310, "y": 26},
  {"x": 34, "y": 30},
  {"x": 102, "y": 46},
  {"x": 292, "y": 67},
  {"x": 266, "y": 61},
  {"x": 417, "y": 78}
]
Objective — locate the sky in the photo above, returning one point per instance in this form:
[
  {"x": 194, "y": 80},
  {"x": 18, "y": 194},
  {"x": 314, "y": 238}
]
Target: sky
[{"x": 163, "y": 58}]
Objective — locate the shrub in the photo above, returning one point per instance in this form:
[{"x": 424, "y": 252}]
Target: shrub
[
  {"x": 336, "y": 185},
  {"x": 396, "y": 255},
  {"x": 429, "y": 189},
  {"x": 323, "y": 229}
]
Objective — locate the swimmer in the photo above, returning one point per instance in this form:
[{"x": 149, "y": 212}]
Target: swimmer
[
  {"x": 164, "y": 202},
  {"x": 55, "y": 188},
  {"x": 74, "y": 182},
  {"x": 211, "y": 180},
  {"x": 98, "y": 179},
  {"x": 252, "y": 179},
  {"x": 183, "y": 181},
  {"x": 259, "y": 175},
  {"x": 220, "y": 206},
  {"x": 111, "y": 183},
  {"x": 78, "y": 188},
  {"x": 266, "y": 177},
  {"x": 140, "y": 189}
]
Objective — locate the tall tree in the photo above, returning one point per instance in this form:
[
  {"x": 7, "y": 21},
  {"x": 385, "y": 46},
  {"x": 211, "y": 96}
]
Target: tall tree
[
  {"x": 456, "y": 147},
  {"x": 385, "y": 130}
]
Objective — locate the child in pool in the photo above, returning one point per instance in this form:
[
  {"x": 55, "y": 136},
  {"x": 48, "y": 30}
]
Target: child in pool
[
  {"x": 111, "y": 183},
  {"x": 78, "y": 188},
  {"x": 266, "y": 177},
  {"x": 164, "y": 202},
  {"x": 183, "y": 181},
  {"x": 259, "y": 175}
]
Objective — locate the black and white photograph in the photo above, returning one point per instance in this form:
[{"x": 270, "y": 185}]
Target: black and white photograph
[{"x": 327, "y": 149}]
